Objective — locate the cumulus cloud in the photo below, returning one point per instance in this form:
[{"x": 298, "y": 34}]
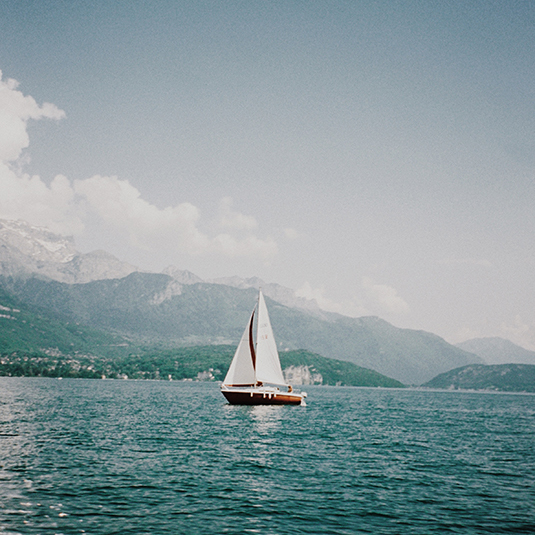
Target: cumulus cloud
[
  {"x": 120, "y": 206},
  {"x": 349, "y": 307},
  {"x": 520, "y": 332},
  {"x": 291, "y": 234},
  {"x": 243, "y": 242},
  {"x": 29, "y": 198},
  {"x": 15, "y": 111},
  {"x": 23, "y": 196},
  {"x": 233, "y": 220},
  {"x": 247, "y": 246},
  {"x": 368, "y": 299},
  {"x": 69, "y": 207},
  {"x": 465, "y": 333},
  {"x": 384, "y": 298}
]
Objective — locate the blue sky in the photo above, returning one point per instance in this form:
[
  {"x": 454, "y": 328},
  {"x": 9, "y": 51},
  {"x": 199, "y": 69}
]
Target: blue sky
[{"x": 379, "y": 156}]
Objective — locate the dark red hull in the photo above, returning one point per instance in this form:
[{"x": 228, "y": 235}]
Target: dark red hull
[{"x": 257, "y": 398}]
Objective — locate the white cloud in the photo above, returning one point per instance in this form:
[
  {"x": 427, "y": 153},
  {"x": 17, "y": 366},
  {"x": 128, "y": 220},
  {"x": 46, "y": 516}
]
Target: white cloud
[
  {"x": 23, "y": 196},
  {"x": 368, "y": 299},
  {"x": 230, "y": 219},
  {"x": 291, "y": 234},
  {"x": 465, "y": 333},
  {"x": 520, "y": 332},
  {"x": 247, "y": 246},
  {"x": 29, "y": 198},
  {"x": 350, "y": 308},
  {"x": 517, "y": 330},
  {"x": 116, "y": 205},
  {"x": 15, "y": 111},
  {"x": 383, "y": 298},
  {"x": 120, "y": 206},
  {"x": 244, "y": 242}
]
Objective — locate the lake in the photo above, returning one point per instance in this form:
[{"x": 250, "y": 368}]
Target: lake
[{"x": 135, "y": 457}]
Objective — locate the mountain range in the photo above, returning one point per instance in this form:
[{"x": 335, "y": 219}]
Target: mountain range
[
  {"x": 498, "y": 351},
  {"x": 496, "y": 377},
  {"x": 28, "y": 250},
  {"x": 42, "y": 274}
]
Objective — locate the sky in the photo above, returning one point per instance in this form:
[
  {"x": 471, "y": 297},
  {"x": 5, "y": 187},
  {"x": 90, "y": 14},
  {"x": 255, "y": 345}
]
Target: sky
[{"x": 378, "y": 156}]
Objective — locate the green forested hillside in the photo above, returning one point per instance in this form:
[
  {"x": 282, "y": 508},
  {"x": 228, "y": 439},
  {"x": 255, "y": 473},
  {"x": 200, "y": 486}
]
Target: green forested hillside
[
  {"x": 336, "y": 372},
  {"x": 153, "y": 309},
  {"x": 196, "y": 363},
  {"x": 24, "y": 329},
  {"x": 497, "y": 377}
]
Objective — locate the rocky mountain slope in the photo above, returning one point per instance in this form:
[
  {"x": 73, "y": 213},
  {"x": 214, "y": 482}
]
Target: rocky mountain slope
[
  {"x": 25, "y": 249},
  {"x": 498, "y": 377},
  {"x": 281, "y": 294},
  {"x": 44, "y": 272},
  {"x": 498, "y": 351},
  {"x": 30, "y": 250},
  {"x": 155, "y": 308},
  {"x": 24, "y": 329}
]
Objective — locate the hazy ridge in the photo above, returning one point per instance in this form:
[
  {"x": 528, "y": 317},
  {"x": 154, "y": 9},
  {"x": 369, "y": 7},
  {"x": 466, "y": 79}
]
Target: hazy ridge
[
  {"x": 497, "y": 377},
  {"x": 44, "y": 273},
  {"x": 495, "y": 350}
]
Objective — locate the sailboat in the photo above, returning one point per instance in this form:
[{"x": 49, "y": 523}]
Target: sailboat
[{"x": 255, "y": 375}]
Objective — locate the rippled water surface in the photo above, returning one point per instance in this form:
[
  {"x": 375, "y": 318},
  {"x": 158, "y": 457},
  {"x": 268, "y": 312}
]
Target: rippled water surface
[{"x": 104, "y": 457}]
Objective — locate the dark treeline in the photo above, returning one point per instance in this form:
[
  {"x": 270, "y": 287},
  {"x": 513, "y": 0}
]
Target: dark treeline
[
  {"x": 204, "y": 363},
  {"x": 210, "y": 362}
]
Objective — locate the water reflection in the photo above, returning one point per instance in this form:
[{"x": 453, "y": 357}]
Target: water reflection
[
  {"x": 18, "y": 448},
  {"x": 267, "y": 418}
]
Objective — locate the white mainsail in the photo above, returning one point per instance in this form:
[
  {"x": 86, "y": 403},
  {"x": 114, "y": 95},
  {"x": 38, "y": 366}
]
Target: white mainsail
[
  {"x": 250, "y": 366},
  {"x": 268, "y": 367}
]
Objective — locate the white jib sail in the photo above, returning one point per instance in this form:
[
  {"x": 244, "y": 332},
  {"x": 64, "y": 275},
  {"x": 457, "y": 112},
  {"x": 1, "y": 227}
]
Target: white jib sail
[
  {"x": 268, "y": 366},
  {"x": 241, "y": 371}
]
